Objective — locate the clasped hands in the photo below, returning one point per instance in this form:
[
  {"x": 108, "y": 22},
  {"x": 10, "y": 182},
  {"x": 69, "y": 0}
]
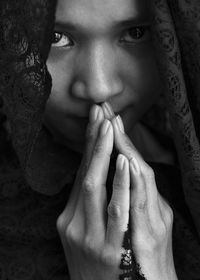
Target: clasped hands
[{"x": 92, "y": 232}]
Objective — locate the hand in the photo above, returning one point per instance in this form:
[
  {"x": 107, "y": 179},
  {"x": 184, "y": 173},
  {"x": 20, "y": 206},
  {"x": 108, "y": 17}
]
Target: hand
[
  {"x": 151, "y": 217},
  {"x": 92, "y": 232}
]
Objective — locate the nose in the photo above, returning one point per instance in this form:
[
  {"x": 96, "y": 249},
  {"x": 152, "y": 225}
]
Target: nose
[{"x": 97, "y": 78}]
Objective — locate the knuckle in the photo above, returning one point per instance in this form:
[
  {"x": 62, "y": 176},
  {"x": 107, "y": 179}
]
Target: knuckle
[
  {"x": 98, "y": 149},
  {"x": 148, "y": 172},
  {"x": 60, "y": 223},
  {"x": 139, "y": 205},
  {"x": 169, "y": 216},
  {"x": 114, "y": 211},
  {"x": 71, "y": 234},
  {"x": 88, "y": 186},
  {"x": 167, "y": 212}
]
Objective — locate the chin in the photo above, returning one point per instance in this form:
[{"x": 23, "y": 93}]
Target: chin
[{"x": 72, "y": 137}]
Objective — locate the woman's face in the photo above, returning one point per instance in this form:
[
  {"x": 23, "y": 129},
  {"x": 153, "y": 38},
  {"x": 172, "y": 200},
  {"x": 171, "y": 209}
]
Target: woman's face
[{"x": 102, "y": 51}]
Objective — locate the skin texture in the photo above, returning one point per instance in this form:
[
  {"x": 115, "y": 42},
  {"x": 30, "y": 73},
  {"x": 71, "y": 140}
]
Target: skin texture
[
  {"x": 92, "y": 231},
  {"x": 99, "y": 58}
]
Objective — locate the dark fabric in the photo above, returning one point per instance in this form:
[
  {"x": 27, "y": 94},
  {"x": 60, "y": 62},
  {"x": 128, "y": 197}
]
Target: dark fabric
[
  {"x": 176, "y": 33},
  {"x": 26, "y": 29},
  {"x": 186, "y": 245},
  {"x": 30, "y": 247},
  {"x": 25, "y": 37}
]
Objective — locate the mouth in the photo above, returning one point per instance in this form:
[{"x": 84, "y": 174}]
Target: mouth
[
  {"x": 110, "y": 113},
  {"x": 107, "y": 110}
]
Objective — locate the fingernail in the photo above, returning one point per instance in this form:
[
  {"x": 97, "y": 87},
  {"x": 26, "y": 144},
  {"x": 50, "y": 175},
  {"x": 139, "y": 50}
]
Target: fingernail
[
  {"x": 108, "y": 110},
  {"x": 120, "y": 162},
  {"x": 120, "y": 124},
  {"x": 134, "y": 164},
  {"x": 105, "y": 127},
  {"x": 94, "y": 113}
]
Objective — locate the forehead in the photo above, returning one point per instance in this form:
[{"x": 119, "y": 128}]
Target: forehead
[{"x": 101, "y": 11}]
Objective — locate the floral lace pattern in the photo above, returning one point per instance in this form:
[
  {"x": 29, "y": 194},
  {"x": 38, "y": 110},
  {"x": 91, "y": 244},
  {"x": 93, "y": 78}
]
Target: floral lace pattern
[
  {"x": 181, "y": 77},
  {"x": 25, "y": 39},
  {"x": 30, "y": 247},
  {"x": 130, "y": 269},
  {"x": 25, "y": 86}
]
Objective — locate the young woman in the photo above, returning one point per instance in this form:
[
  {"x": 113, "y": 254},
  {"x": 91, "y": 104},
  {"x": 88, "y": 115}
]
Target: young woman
[{"x": 114, "y": 218}]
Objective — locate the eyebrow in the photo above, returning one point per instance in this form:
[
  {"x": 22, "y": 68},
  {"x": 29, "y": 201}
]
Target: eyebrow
[
  {"x": 140, "y": 20},
  {"x": 131, "y": 21}
]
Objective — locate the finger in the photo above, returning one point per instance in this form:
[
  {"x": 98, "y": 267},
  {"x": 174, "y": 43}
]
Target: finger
[
  {"x": 95, "y": 120},
  {"x": 138, "y": 199},
  {"x": 93, "y": 190},
  {"x": 118, "y": 209},
  {"x": 122, "y": 141},
  {"x": 108, "y": 112},
  {"x": 125, "y": 146},
  {"x": 145, "y": 193},
  {"x": 154, "y": 212},
  {"x": 166, "y": 212}
]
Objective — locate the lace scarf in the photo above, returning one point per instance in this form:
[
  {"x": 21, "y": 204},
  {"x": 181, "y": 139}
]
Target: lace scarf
[{"x": 25, "y": 36}]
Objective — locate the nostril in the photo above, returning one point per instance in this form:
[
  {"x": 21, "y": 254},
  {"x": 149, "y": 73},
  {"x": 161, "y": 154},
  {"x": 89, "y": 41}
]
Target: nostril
[
  {"x": 78, "y": 89},
  {"x": 99, "y": 103},
  {"x": 96, "y": 90}
]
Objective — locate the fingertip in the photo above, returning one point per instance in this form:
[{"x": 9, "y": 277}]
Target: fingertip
[
  {"x": 106, "y": 130},
  {"x": 134, "y": 166},
  {"x": 120, "y": 162},
  {"x": 105, "y": 136},
  {"x": 96, "y": 114},
  {"x": 95, "y": 120},
  {"x": 93, "y": 115},
  {"x": 114, "y": 123},
  {"x": 101, "y": 114},
  {"x": 122, "y": 171},
  {"x": 111, "y": 137},
  {"x": 118, "y": 124},
  {"x": 107, "y": 110}
]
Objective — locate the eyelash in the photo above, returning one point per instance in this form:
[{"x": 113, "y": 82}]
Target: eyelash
[
  {"x": 141, "y": 32},
  {"x": 68, "y": 37}
]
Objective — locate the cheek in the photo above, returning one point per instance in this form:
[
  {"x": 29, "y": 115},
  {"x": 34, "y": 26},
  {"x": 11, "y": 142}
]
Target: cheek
[
  {"x": 60, "y": 68},
  {"x": 141, "y": 76}
]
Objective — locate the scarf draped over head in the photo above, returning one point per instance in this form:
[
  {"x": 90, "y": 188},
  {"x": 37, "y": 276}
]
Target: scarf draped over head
[
  {"x": 177, "y": 39},
  {"x": 26, "y": 28}
]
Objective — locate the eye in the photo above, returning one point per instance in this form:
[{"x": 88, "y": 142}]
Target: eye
[
  {"x": 61, "y": 40},
  {"x": 135, "y": 34}
]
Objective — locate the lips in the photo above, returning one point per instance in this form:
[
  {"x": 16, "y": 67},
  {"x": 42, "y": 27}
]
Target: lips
[{"x": 79, "y": 116}]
